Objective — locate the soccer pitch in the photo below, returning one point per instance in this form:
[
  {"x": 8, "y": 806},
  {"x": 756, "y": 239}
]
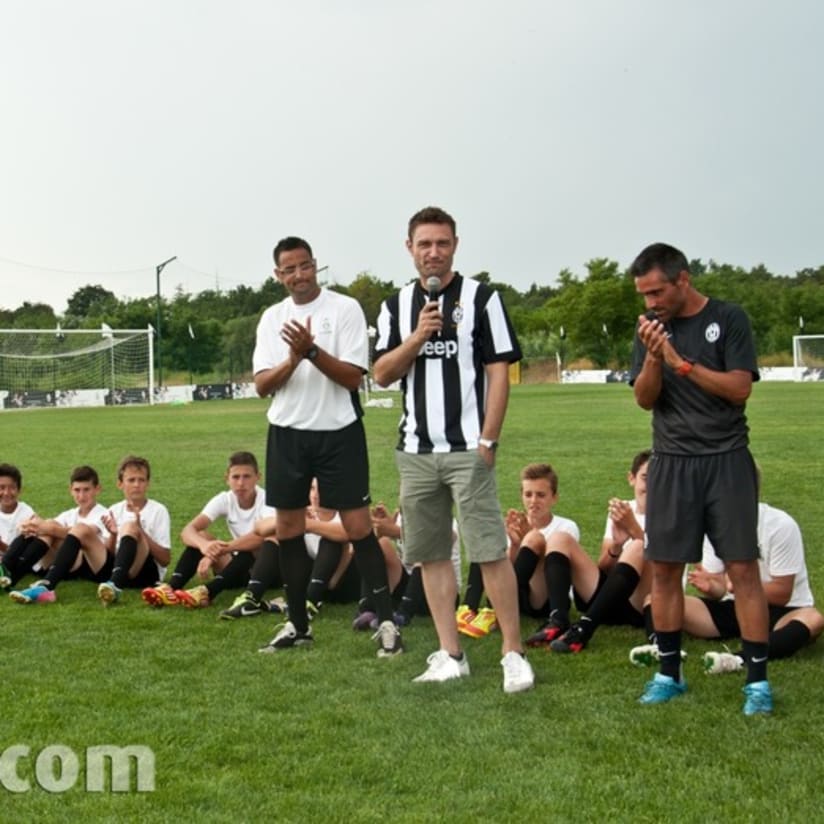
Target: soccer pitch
[{"x": 335, "y": 734}]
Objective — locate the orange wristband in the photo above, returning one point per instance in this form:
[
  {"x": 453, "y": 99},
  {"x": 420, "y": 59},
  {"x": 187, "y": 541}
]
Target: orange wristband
[{"x": 685, "y": 368}]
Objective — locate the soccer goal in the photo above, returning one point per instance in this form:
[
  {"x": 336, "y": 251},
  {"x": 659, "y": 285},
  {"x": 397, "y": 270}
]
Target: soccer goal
[
  {"x": 808, "y": 357},
  {"x": 76, "y": 367}
]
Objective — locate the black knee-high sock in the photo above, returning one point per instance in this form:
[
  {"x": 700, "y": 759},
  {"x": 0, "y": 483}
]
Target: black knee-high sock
[
  {"x": 400, "y": 589},
  {"x": 372, "y": 568},
  {"x": 413, "y": 600},
  {"x": 22, "y": 555},
  {"x": 558, "y": 574},
  {"x": 63, "y": 561},
  {"x": 35, "y": 550},
  {"x": 755, "y": 657},
  {"x": 526, "y": 562},
  {"x": 323, "y": 568},
  {"x": 265, "y": 571},
  {"x": 783, "y": 642},
  {"x": 296, "y": 566},
  {"x": 235, "y": 574},
  {"x": 123, "y": 560},
  {"x": 185, "y": 567},
  {"x": 669, "y": 652},
  {"x": 14, "y": 553},
  {"x": 617, "y": 588},
  {"x": 474, "y": 586}
]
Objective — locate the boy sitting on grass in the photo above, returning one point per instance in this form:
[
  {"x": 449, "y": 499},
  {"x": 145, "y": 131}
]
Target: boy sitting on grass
[
  {"x": 142, "y": 527},
  {"x": 240, "y": 506},
  {"x": 76, "y": 543},
  {"x": 13, "y": 512}
]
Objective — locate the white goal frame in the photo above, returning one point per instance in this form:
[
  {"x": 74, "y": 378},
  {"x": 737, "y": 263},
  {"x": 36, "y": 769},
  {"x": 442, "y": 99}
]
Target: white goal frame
[
  {"x": 806, "y": 367},
  {"x": 117, "y": 385}
]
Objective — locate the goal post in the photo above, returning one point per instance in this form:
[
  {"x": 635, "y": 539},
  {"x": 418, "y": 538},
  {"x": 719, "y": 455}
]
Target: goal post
[
  {"x": 808, "y": 357},
  {"x": 76, "y": 367}
]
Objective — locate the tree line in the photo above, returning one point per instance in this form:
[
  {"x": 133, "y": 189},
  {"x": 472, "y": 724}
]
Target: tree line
[{"x": 590, "y": 318}]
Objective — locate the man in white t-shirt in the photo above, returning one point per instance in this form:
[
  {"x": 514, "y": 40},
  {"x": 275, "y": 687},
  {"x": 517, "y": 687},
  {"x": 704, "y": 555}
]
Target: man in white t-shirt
[
  {"x": 311, "y": 352},
  {"x": 228, "y": 561}
]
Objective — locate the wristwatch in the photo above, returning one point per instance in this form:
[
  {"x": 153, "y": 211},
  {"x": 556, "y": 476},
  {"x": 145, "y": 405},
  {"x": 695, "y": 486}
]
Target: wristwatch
[
  {"x": 488, "y": 443},
  {"x": 311, "y": 353}
]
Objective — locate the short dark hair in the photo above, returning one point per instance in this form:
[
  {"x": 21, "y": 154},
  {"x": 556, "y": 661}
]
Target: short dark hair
[
  {"x": 135, "y": 461},
  {"x": 289, "y": 244},
  {"x": 84, "y": 474},
  {"x": 11, "y": 471},
  {"x": 431, "y": 214},
  {"x": 541, "y": 472},
  {"x": 243, "y": 459},
  {"x": 639, "y": 460},
  {"x": 668, "y": 259}
]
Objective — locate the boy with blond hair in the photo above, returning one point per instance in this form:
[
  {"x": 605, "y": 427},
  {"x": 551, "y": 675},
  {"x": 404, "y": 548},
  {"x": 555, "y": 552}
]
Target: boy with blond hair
[{"x": 142, "y": 528}]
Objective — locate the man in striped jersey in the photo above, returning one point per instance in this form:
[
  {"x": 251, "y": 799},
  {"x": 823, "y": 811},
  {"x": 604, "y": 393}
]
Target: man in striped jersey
[{"x": 449, "y": 341}]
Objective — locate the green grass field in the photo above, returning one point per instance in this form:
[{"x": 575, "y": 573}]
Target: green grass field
[{"x": 333, "y": 733}]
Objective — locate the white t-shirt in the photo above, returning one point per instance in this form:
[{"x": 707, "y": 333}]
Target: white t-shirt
[
  {"x": 312, "y": 540},
  {"x": 633, "y": 505},
  {"x": 239, "y": 521},
  {"x": 154, "y": 521},
  {"x": 561, "y": 524},
  {"x": 782, "y": 553},
  {"x": 309, "y": 399},
  {"x": 10, "y": 522},
  {"x": 71, "y": 517}
]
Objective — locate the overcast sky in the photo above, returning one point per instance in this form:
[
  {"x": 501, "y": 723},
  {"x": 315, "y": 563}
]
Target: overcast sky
[{"x": 554, "y": 132}]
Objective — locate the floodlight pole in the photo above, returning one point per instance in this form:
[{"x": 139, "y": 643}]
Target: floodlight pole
[{"x": 158, "y": 269}]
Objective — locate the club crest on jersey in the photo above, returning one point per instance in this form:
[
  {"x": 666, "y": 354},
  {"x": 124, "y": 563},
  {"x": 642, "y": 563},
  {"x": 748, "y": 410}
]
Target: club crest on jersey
[
  {"x": 457, "y": 314},
  {"x": 712, "y": 332},
  {"x": 440, "y": 349}
]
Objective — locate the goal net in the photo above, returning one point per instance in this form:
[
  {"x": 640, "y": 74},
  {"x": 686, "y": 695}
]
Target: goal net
[
  {"x": 76, "y": 367},
  {"x": 808, "y": 357}
]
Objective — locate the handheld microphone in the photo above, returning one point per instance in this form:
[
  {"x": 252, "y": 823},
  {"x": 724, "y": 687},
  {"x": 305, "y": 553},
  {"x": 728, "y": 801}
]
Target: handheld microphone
[
  {"x": 650, "y": 315},
  {"x": 433, "y": 286}
]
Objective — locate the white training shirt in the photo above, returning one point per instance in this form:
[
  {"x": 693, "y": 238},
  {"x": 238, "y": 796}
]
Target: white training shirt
[
  {"x": 10, "y": 521},
  {"x": 239, "y": 521},
  {"x": 633, "y": 505},
  {"x": 310, "y": 400},
  {"x": 782, "y": 553},
  {"x": 561, "y": 524},
  {"x": 71, "y": 517},
  {"x": 154, "y": 521}
]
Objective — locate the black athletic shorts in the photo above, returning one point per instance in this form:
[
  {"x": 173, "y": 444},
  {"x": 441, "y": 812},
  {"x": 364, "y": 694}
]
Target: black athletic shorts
[
  {"x": 723, "y": 616},
  {"x": 337, "y": 458},
  {"x": 689, "y": 496}
]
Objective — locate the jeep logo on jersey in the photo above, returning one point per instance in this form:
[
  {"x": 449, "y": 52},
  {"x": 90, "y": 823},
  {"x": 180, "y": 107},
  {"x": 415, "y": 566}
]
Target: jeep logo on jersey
[{"x": 440, "y": 349}]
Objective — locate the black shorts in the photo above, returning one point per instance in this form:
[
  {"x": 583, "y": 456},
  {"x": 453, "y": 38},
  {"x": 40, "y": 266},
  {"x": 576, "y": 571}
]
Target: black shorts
[
  {"x": 147, "y": 576},
  {"x": 348, "y": 589},
  {"x": 337, "y": 458},
  {"x": 723, "y": 616},
  {"x": 621, "y": 615},
  {"x": 690, "y": 496},
  {"x": 85, "y": 573}
]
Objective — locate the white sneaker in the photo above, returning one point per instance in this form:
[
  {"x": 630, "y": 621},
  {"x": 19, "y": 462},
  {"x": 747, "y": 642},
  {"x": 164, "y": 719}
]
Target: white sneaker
[
  {"x": 389, "y": 640},
  {"x": 518, "y": 674},
  {"x": 441, "y": 666},
  {"x": 716, "y": 663},
  {"x": 647, "y": 654}
]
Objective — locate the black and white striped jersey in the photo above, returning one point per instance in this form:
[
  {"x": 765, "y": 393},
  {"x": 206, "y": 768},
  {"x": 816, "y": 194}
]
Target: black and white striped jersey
[{"x": 444, "y": 391}]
